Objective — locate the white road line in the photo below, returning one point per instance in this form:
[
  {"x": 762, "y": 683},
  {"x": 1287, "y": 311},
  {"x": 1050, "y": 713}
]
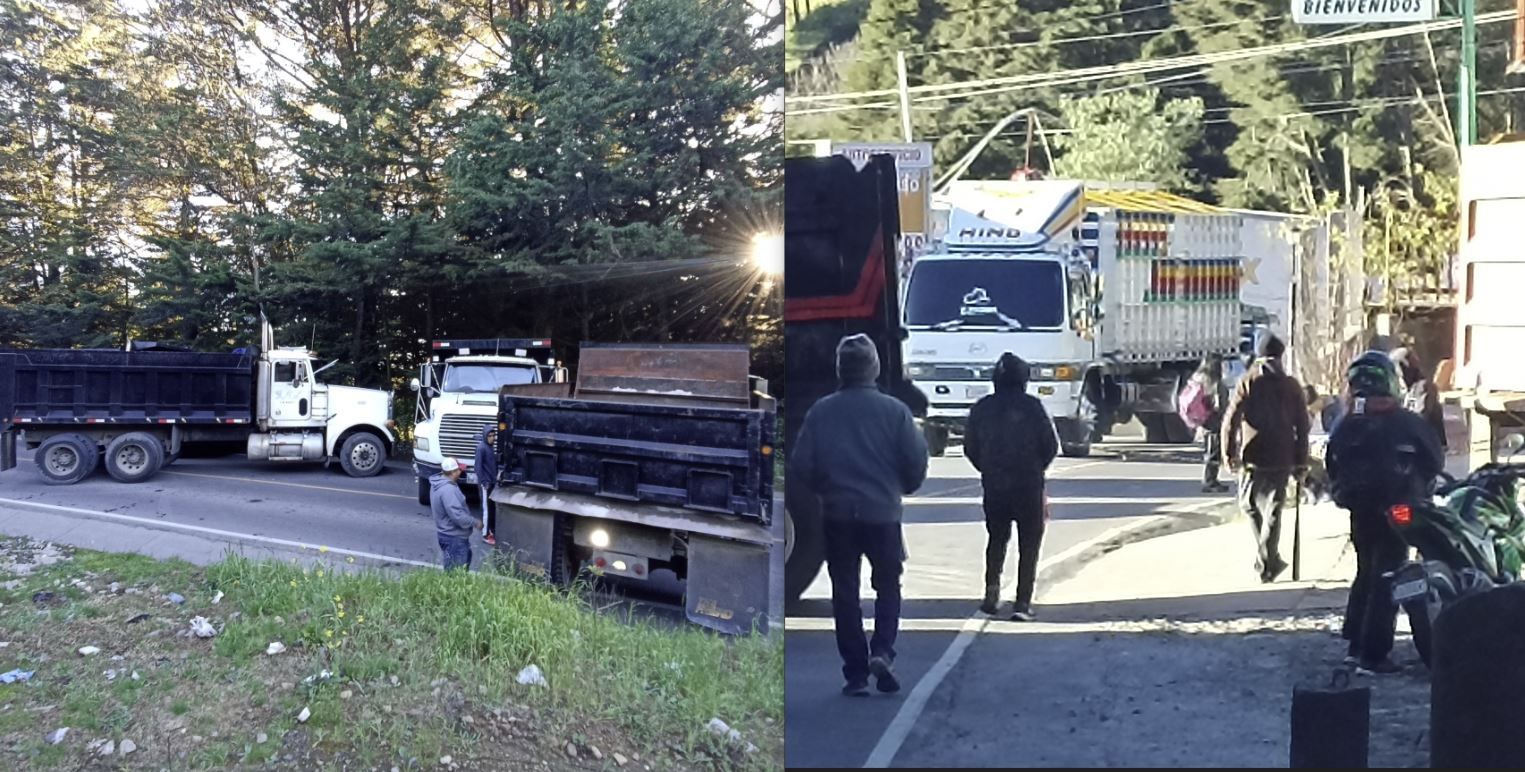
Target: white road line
[
  {"x": 289, "y": 484},
  {"x": 933, "y": 501},
  {"x": 165, "y": 525},
  {"x": 910, "y": 711}
]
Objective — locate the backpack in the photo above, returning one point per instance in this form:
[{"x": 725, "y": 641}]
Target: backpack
[
  {"x": 1194, "y": 405},
  {"x": 1371, "y": 472}
]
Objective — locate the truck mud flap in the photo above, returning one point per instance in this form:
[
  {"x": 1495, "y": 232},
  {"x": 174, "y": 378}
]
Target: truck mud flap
[
  {"x": 7, "y": 451},
  {"x": 531, "y": 537},
  {"x": 728, "y": 585}
]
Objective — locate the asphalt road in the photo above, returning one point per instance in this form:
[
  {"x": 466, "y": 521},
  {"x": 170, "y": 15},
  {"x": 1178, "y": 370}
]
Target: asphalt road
[
  {"x": 1123, "y": 483},
  {"x": 307, "y": 503}
]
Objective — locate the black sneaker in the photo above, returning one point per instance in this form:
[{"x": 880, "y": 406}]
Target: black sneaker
[
  {"x": 1384, "y": 667},
  {"x": 1274, "y": 570},
  {"x": 1023, "y": 615},
  {"x": 884, "y": 675},
  {"x": 856, "y": 688},
  {"x": 992, "y": 604}
]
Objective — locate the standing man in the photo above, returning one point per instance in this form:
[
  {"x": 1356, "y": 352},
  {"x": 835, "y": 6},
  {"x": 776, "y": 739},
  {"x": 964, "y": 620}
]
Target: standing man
[
  {"x": 1011, "y": 442},
  {"x": 1265, "y": 431},
  {"x": 859, "y": 450},
  {"x": 487, "y": 479},
  {"x": 1209, "y": 378},
  {"x": 452, "y": 518},
  {"x": 1380, "y": 454}
]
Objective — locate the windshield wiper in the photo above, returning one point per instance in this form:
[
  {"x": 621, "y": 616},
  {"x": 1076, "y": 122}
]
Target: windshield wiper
[{"x": 951, "y": 324}]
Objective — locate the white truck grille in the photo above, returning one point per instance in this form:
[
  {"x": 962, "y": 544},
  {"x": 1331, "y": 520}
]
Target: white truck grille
[{"x": 458, "y": 435}]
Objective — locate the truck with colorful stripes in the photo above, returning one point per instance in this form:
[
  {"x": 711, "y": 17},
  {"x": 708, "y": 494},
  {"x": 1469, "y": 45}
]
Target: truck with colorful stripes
[{"x": 1113, "y": 295}]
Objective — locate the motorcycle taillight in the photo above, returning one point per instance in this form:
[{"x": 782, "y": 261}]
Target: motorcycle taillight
[{"x": 1401, "y": 515}]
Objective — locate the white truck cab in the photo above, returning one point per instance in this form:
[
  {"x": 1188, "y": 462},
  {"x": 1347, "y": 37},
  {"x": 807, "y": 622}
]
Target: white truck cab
[
  {"x": 303, "y": 419},
  {"x": 458, "y": 397}
]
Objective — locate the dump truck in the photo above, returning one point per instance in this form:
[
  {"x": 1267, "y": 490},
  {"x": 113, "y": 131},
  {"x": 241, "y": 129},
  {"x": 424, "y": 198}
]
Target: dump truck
[
  {"x": 660, "y": 457},
  {"x": 134, "y": 410},
  {"x": 840, "y": 237},
  {"x": 457, "y": 388}
]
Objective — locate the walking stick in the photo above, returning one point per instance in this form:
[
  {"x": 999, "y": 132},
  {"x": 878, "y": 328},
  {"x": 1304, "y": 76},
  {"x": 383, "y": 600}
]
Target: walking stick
[{"x": 1297, "y": 530}]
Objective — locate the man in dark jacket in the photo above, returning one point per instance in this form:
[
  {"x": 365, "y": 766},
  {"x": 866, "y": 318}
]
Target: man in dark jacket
[
  {"x": 1265, "y": 431},
  {"x": 1379, "y": 455},
  {"x": 487, "y": 479},
  {"x": 452, "y": 518},
  {"x": 859, "y": 450},
  {"x": 1011, "y": 442}
]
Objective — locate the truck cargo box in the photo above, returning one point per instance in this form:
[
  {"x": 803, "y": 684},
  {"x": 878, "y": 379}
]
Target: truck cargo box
[
  {"x": 664, "y": 424},
  {"x": 63, "y": 386}
]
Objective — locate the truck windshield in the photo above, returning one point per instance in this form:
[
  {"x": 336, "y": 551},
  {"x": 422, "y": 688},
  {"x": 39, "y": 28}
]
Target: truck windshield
[
  {"x": 1011, "y": 294},
  {"x": 470, "y": 378}
]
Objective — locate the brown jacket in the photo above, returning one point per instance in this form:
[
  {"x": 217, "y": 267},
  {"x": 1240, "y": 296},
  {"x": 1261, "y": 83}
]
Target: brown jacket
[{"x": 1266, "y": 424}]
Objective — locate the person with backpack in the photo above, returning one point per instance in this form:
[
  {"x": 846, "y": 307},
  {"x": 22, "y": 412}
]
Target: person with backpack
[
  {"x": 1379, "y": 455},
  {"x": 1265, "y": 432},
  {"x": 1419, "y": 392},
  {"x": 1011, "y": 441},
  {"x": 1202, "y": 405}
]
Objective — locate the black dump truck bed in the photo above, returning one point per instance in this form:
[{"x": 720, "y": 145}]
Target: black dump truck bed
[
  {"x": 67, "y": 386},
  {"x": 676, "y": 425}
]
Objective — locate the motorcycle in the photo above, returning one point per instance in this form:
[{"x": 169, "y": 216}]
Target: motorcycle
[{"x": 1470, "y": 536}]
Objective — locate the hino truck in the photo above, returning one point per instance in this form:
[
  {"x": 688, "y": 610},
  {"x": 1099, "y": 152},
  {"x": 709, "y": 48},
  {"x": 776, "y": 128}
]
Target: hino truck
[
  {"x": 841, "y": 228},
  {"x": 457, "y": 392},
  {"x": 133, "y": 411},
  {"x": 1489, "y": 380},
  {"x": 661, "y": 459},
  {"x": 1113, "y": 296}
]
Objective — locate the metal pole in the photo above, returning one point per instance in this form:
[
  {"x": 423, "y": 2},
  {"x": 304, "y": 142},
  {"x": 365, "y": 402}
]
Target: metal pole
[
  {"x": 905, "y": 94},
  {"x": 1466, "y": 92}
]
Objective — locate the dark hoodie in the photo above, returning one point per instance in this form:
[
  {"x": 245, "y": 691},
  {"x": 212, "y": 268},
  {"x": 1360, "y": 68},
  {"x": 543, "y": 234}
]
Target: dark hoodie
[
  {"x": 859, "y": 449},
  {"x": 1421, "y": 396},
  {"x": 451, "y": 515},
  {"x": 487, "y": 460},
  {"x": 1365, "y": 456},
  {"x": 1011, "y": 439}
]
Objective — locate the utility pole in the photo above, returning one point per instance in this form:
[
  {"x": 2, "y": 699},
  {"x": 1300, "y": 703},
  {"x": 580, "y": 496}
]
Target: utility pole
[
  {"x": 905, "y": 94},
  {"x": 1466, "y": 92}
]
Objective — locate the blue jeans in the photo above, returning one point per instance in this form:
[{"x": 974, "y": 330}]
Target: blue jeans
[
  {"x": 847, "y": 543},
  {"x": 456, "y": 551}
]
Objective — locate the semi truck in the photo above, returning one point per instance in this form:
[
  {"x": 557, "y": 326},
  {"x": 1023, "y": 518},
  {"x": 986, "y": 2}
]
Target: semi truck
[
  {"x": 1489, "y": 379},
  {"x": 661, "y": 458},
  {"x": 457, "y": 388},
  {"x": 841, "y": 230},
  {"x": 1113, "y": 296},
  {"x": 135, "y": 410}
]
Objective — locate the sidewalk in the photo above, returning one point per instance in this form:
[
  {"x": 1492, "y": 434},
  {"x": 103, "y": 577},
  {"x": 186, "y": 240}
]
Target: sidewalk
[{"x": 1169, "y": 653}]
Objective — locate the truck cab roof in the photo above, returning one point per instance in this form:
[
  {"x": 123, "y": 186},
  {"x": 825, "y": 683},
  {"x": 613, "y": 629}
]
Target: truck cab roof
[{"x": 492, "y": 359}]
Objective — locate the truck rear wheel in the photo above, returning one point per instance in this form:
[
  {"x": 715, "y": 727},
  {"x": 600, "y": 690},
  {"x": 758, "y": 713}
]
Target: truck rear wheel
[
  {"x": 134, "y": 457},
  {"x": 363, "y": 455},
  {"x": 937, "y": 440},
  {"x": 66, "y": 459},
  {"x": 805, "y": 547},
  {"x": 1074, "y": 438}
]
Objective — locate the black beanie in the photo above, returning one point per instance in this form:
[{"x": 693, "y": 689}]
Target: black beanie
[
  {"x": 857, "y": 360},
  {"x": 1272, "y": 347},
  {"x": 1011, "y": 372}
]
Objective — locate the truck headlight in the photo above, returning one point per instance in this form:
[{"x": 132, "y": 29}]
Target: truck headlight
[
  {"x": 1055, "y": 373},
  {"x": 421, "y": 443}
]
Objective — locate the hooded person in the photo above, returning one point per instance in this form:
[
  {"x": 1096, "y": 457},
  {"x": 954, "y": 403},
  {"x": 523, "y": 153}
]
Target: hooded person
[
  {"x": 1379, "y": 455},
  {"x": 487, "y": 480},
  {"x": 859, "y": 451},
  {"x": 1419, "y": 394},
  {"x": 1011, "y": 441},
  {"x": 1265, "y": 433},
  {"x": 453, "y": 522}
]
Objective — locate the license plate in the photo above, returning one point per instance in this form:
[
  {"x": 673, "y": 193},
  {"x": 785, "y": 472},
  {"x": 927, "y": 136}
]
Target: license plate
[
  {"x": 975, "y": 392},
  {"x": 1410, "y": 590}
]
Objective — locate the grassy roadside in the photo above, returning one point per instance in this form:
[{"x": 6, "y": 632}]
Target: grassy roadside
[{"x": 422, "y": 667}]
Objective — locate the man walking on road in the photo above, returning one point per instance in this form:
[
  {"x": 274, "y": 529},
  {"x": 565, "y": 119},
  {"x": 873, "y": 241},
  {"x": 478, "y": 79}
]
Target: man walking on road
[
  {"x": 1369, "y": 474},
  {"x": 487, "y": 479},
  {"x": 859, "y": 450},
  {"x": 453, "y": 522},
  {"x": 1265, "y": 431},
  {"x": 1011, "y": 442}
]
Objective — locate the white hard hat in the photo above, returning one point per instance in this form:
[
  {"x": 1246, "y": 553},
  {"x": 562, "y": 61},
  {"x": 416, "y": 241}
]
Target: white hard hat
[{"x": 450, "y": 465}]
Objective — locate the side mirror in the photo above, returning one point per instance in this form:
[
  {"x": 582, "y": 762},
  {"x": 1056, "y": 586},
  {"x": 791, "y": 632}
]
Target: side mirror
[
  {"x": 905, "y": 334},
  {"x": 414, "y": 385},
  {"x": 1514, "y": 442}
]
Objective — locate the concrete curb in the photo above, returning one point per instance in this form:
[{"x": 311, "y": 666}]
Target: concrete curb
[{"x": 1165, "y": 523}]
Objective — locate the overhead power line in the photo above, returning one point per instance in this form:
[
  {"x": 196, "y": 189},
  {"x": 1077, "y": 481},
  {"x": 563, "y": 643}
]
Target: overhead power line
[{"x": 986, "y": 86}]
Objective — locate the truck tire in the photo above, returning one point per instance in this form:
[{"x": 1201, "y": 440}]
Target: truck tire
[
  {"x": 1177, "y": 432},
  {"x": 66, "y": 459},
  {"x": 937, "y": 440},
  {"x": 134, "y": 457},
  {"x": 423, "y": 491},
  {"x": 806, "y": 550},
  {"x": 1155, "y": 432},
  {"x": 1074, "y": 438},
  {"x": 363, "y": 455}
]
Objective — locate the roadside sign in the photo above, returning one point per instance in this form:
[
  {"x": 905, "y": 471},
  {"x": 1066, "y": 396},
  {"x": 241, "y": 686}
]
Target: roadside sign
[
  {"x": 913, "y": 166},
  {"x": 1362, "y": 11}
]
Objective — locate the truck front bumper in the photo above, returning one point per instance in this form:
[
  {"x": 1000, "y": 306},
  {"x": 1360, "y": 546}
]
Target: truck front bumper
[
  {"x": 423, "y": 470},
  {"x": 949, "y": 402}
]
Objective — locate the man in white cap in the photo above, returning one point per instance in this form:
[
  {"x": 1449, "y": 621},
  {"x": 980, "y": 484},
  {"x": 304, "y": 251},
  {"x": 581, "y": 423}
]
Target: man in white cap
[{"x": 453, "y": 522}]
